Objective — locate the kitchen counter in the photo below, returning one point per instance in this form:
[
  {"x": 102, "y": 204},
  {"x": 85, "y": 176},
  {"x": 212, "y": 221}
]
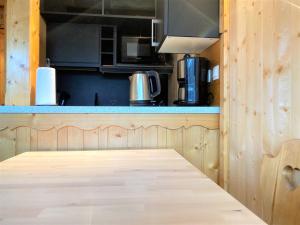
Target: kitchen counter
[{"x": 106, "y": 110}]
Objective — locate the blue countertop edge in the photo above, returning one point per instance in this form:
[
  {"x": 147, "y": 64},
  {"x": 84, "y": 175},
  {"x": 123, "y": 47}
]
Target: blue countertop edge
[{"x": 106, "y": 110}]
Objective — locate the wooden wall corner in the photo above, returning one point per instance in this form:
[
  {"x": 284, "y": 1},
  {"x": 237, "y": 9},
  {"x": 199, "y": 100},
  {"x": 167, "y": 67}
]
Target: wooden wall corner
[{"x": 22, "y": 51}]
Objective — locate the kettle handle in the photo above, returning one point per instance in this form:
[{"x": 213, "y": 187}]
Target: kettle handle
[{"x": 158, "y": 84}]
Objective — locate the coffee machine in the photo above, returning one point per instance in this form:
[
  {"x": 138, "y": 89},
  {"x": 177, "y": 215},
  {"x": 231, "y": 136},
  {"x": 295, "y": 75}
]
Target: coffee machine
[{"x": 192, "y": 77}]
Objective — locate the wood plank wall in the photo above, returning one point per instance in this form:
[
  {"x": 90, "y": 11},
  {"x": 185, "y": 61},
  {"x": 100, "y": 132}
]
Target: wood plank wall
[
  {"x": 22, "y": 50},
  {"x": 34, "y": 45},
  {"x": 264, "y": 79},
  {"x": 2, "y": 52},
  {"x": 2, "y": 67},
  {"x": 194, "y": 138}
]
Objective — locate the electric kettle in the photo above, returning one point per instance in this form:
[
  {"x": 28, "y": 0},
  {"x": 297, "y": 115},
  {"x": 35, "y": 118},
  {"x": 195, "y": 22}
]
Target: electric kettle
[{"x": 144, "y": 86}]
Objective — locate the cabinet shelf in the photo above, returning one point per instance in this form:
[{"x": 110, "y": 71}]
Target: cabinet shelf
[
  {"x": 130, "y": 68},
  {"x": 107, "y": 53},
  {"x": 107, "y": 39}
]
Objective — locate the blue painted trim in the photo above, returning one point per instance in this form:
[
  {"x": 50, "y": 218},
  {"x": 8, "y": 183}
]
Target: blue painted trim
[{"x": 106, "y": 110}]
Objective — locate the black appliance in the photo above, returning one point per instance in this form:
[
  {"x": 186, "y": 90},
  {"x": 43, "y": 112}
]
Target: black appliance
[
  {"x": 137, "y": 50},
  {"x": 192, "y": 76}
]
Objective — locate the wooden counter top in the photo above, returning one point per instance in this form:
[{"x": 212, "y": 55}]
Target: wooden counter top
[{"x": 150, "y": 187}]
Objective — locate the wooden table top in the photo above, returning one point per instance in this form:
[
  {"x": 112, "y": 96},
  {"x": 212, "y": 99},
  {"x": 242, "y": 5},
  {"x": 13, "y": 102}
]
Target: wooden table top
[{"x": 135, "y": 187}]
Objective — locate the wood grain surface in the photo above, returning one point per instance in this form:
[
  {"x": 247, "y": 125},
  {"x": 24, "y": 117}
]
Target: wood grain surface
[
  {"x": 195, "y": 137},
  {"x": 280, "y": 185},
  {"x": 22, "y": 50},
  {"x": 133, "y": 187},
  {"x": 2, "y": 66},
  {"x": 261, "y": 80}
]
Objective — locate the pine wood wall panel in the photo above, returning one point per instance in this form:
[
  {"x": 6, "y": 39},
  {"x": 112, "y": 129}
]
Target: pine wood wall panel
[
  {"x": 22, "y": 50},
  {"x": 280, "y": 182},
  {"x": 135, "y": 138},
  {"x": 23, "y": 140},
  {"x": 197, "y": 143},
  {"x": 34, "y": 45},
  {"x": 62, "y": 139},
  {"x": 2, "y": 50},
  {"x": 91, "y": 139},
  {"x": 2, "y": 66},
  {"x": 224, "y": 94},
  {"x": 117, "y": 136},
  {"x": 75, "y": 138},
  {"x": 7, "y": 143},
  {"x": 263, "y": 93}
]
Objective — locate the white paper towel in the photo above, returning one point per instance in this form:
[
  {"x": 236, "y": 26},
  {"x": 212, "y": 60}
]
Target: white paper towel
[{"x": 45, "y": 86}]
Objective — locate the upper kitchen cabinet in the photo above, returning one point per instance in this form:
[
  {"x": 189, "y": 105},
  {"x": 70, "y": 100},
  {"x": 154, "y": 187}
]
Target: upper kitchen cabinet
[
  {"x": 76, "y": 45},
  {"x": 72, "y": 6},
  {"x": 144, "y": 8},
  {"x": 188, "y": 26},
  {"x": 97, "y": 9}
]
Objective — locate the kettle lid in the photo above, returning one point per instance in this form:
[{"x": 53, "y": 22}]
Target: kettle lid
[{"x": 139, "y": 72}]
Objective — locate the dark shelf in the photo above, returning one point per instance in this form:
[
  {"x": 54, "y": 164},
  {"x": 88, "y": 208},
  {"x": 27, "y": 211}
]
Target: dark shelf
[
  {"x": 119, "y": 68},
  {"x": 107, "y": 39},
  {"x": 107, "y": 53},
  {"x": 130, "y": 68}
]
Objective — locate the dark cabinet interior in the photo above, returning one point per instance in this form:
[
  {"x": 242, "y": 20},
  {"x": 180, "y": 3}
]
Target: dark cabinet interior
[
  {"x": 130, "y": 7},
  {"x": 72, "y": 6},
  {"x": 108, "y": 45},
  {"x": 74, "y": 45}
]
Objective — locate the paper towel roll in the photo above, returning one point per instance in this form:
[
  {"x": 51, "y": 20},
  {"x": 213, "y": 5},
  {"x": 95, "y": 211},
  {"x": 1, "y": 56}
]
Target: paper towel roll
[{"x": 45, "y": 86}]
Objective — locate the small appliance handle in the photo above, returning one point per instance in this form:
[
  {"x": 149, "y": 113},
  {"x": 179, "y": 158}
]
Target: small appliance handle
[
  {"x": 186, "y": 56},
  {"x": 158, "y": 84},
  {"x": 153, "y": 42}
]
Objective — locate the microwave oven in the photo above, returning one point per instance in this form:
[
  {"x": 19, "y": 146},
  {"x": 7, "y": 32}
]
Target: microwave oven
[{"x": 137, "y": 50}]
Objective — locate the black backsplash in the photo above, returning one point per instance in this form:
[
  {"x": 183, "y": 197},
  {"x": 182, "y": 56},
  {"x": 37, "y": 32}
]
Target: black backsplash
[{"x": 112, "y": 89}]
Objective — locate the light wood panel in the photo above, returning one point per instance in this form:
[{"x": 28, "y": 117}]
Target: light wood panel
[
  {"x": 263, "y": 67},
  {"x": 2, "y": 66},
  {"x": 34, "y": 44},
  {"x": 2, "y": 51},
  {"x": 22, "y": 50},
  {"x": 184, "y": 133},
  {"x": 134, "y": 187},
  {"x": 92, "y": 121},
  {"x": 280, "y": 185},
  {"x": 224, "y": 93}
]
